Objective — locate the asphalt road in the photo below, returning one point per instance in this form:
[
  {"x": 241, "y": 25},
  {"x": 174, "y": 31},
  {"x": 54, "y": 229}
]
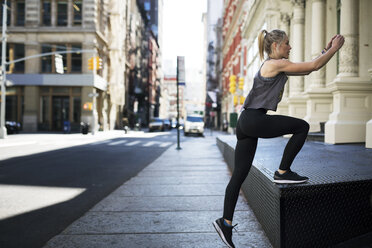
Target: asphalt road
[{"x": 42, "y": 193}]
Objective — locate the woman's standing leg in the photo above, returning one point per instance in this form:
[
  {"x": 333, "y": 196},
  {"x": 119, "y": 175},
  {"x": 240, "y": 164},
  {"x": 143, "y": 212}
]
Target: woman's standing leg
[{"x": 244, "y": 154}]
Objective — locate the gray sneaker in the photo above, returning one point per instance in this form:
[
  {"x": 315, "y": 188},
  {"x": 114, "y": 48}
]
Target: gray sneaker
[{"x": 289, "y": 177}]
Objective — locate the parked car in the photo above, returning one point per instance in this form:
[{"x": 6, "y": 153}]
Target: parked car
[
  {"x": 12, "y": 127},
  {"x": 181, "y": 125},
  {"x": 156, "y": 124},
  {"x": 174, "y": 123},
  {"x": 167, "y": 124},
  {"x": 194, "y": 124}
]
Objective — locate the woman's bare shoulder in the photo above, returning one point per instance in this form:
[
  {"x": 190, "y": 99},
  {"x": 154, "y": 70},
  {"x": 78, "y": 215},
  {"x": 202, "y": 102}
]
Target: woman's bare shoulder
[
  {"x": 279, "y": 62},
  {"x": 272, "y": 67},
  {"x": 274, "y": 64}
]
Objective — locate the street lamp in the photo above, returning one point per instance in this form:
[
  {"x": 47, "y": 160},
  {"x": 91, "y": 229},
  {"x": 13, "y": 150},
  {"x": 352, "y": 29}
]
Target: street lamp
[{"x": 3, "y": 74}]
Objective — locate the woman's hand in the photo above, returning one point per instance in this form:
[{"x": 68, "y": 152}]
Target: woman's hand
[
  {"x": 338, "y": 42},
  {"x": 329, "y": 45}
]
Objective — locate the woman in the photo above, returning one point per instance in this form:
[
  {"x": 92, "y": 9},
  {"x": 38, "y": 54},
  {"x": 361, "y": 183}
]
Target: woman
[{"x": 254, "y": 123}]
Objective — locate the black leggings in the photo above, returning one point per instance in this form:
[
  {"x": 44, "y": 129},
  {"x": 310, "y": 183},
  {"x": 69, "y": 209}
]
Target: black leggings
[{"x": 254, "y": 124}]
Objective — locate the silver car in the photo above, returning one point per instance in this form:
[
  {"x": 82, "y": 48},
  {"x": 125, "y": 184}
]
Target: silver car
[{"x": 156, "y": 124}]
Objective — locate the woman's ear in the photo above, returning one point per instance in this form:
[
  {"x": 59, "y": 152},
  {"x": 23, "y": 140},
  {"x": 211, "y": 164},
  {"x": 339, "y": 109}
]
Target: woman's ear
[{"x": 274, "y": 46}]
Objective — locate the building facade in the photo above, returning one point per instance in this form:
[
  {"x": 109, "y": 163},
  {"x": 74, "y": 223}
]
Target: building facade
[
  {"x": 213, "y": 46},
  {"x": 169, "y": 99},
  {"x": 339, "y": 96},
  {"x": 115, "y": 31},
  {"x": 233, "y": 54},
  {"x": 143, "y": 69},
  {"x": 42, "y": 99}
]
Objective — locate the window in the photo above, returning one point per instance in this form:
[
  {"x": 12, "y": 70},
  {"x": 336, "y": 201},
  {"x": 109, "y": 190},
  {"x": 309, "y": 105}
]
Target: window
[
  {"x": 61, "y": 90},
  {"x": 11, "y": 108},
  {"x": 71, "y": 62},
  {"x": 62, "y": 13},
  {"x": 77, "y": 5},
  {"x": 100, "y": 17},
  {"x": 17, "y": 51},
  {"x": 44, "y": 118},
  {"x": 20, "y": 13},
  {"x": 147, "y": 6},
  {"x": 77, "y": 109},
  {"x": 46, "y": 61},
  {"x": 14, "y": 104},
  {"x": 194, "y": 119},
  {"x": 76, "y": 59},
  {"x": 13, "y": 52},
  {"x": 46, "y": 11},
  {"x": 62, "y": 47}
]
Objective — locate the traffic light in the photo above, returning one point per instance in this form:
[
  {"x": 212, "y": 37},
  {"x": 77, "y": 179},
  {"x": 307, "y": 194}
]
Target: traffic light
[
  {"x": 98, "y": 63},
  {"x": 235, "y": 100},
  {"x": 242, "y": 99},
  {"x": 232, "y": 85},
  {"x": 241, "y": 83},
  {"x": 90, "y": 64},
  {"x": 88, "y": 106}
]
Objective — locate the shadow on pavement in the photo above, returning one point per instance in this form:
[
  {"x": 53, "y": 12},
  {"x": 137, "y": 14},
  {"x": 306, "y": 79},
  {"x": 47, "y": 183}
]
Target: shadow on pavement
[{"x": 99, "y": 169}]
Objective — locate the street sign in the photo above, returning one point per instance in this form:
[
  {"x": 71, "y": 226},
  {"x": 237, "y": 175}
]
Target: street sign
[
  {"x": 180, "y": 81},
  {"x": 181, "y": 70},
  {"x": 59, "y": 63},
  {"x": 93, "y": 94}
]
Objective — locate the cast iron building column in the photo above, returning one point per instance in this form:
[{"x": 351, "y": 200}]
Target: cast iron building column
[
  {"x": 319, "y": 98},
  {"x": 297, "y": 102}
]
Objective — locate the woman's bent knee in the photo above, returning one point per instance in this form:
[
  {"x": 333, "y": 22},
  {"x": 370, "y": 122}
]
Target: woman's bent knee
[{"x": 305, "y": 127}]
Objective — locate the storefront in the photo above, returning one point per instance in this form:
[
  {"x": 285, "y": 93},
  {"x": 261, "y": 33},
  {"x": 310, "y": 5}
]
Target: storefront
[
  {"x": 45, "y": 102},
  {"x": 58, "y": 105},
  {"x": 14, "y": 104}
]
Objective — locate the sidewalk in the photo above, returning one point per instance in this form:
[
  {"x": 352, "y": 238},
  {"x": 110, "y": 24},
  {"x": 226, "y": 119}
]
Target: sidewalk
[{"x": 171, "y": 203}]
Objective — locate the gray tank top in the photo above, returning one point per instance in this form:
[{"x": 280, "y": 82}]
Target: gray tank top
[{"x": 266, "y": 92}]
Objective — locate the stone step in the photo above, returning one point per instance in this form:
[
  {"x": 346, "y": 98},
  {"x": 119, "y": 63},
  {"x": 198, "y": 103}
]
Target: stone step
[{"x": 332, "y": 208}]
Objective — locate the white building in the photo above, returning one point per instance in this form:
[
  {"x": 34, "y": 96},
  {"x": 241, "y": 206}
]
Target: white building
[{"x": 340, "y": 94}]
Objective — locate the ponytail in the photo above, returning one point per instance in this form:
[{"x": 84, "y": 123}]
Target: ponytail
[
  {"x": 265, "y": 39},
  {"x": 261, "y": 43}
]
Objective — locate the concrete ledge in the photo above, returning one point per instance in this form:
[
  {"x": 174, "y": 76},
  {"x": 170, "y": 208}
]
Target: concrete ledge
[{"x": 332, "y": 208}]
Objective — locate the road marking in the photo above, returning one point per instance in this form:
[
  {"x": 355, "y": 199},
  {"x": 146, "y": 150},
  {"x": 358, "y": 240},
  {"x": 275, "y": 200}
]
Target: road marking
[
  {"x": 100, "y": 142},
  {"x": 117, "y": 143},
  {"x": 133, "y": 143},
  {"x": 165, "y": 144},
  {"x": 150, "y": 143}
]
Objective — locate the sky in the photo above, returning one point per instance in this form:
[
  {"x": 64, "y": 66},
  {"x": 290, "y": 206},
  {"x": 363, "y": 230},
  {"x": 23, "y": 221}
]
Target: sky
[{"x": 183, "y": 34}]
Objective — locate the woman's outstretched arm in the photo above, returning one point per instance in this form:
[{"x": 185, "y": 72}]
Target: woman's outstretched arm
[
  {"x": 305, "y": 68},
  {"x": 329, "y": 45}
]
